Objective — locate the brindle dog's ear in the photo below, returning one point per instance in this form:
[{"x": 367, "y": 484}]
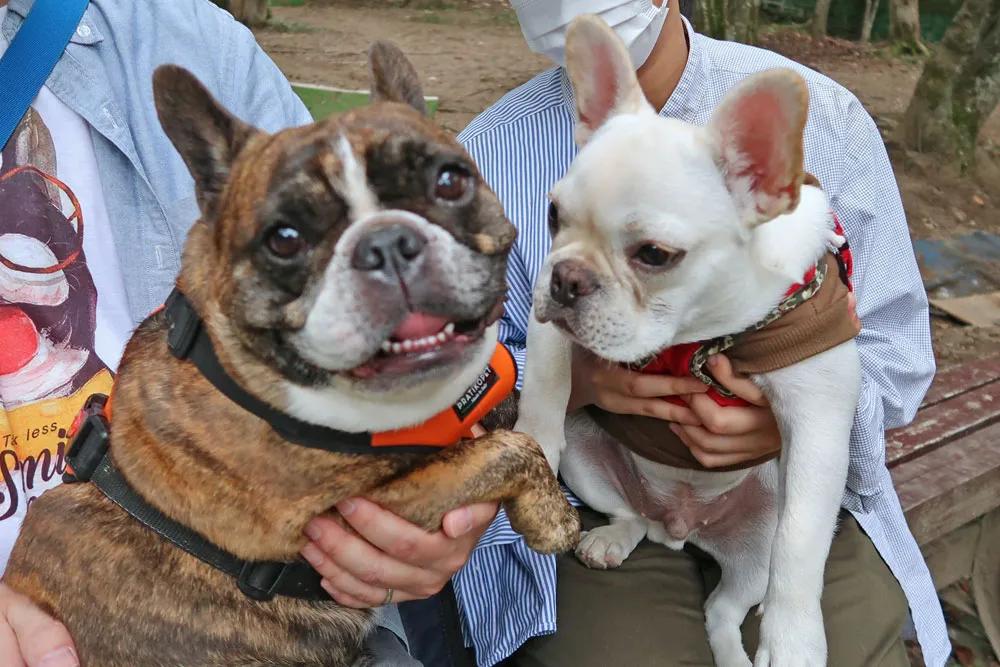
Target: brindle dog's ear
[
  {"x": 207, "y": 136},
  {"x": 394, "y": 79}
]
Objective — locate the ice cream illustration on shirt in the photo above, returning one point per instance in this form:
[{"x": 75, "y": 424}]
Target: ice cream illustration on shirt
[{"x": 48, "y": 310}]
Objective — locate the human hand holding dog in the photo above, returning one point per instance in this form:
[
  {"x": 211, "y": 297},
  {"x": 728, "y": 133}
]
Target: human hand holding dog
[
  {"x": 616, "y": 389},
  {"x": 729, "y": 434},
  {"x": 31, "y": 638},
  {"x": 389, "y": 552}
]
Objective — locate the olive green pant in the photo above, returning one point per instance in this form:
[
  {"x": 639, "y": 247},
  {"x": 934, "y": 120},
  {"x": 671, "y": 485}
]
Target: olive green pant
[{"x": 650, "y": 611}]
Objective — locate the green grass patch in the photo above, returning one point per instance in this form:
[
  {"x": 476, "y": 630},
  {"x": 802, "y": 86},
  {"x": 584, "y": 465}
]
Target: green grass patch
[
  {"x": 286, "y": 3},
  {"x": 504, "y": 17},
  {"x": 323, "y": 101}
]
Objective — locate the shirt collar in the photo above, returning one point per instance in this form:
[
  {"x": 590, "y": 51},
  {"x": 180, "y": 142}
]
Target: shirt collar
[
  {"x": 686, "y": 98},
  {"x": 87, "y": 33}
]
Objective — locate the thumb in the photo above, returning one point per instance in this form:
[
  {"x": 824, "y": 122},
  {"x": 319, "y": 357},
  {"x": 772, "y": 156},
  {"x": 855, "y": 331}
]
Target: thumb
[
  {"x": 465, "y": 520},
  {"x": 722, "y": 371},
  {"x": 38, "y": 639}
]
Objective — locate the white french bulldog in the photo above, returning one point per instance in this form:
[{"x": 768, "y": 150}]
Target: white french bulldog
[{"x": 667, "y": 233}]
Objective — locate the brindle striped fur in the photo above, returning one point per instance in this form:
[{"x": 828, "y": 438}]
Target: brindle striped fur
[{"x": 130, "y": 598}]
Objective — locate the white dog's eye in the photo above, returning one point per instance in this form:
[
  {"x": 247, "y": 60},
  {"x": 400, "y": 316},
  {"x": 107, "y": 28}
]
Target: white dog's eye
[
  {"x": 655, "y": 257},
  {"x": 553, "y": 219}
]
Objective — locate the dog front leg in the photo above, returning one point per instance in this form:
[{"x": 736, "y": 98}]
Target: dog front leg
[
  {"x": 814, "y": 402},
  {"x": 499, "y": 466},
  {"x": 744, "y": 556},
  {"x": 548, "y": 380}
]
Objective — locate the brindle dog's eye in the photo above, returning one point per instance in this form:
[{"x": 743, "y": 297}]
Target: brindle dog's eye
[
  {"x": 285, "y": 242},
  {"x": 452, "y": 184},
  {"x": 655, "y": 257},
  {"x": 553, "y": 219}
]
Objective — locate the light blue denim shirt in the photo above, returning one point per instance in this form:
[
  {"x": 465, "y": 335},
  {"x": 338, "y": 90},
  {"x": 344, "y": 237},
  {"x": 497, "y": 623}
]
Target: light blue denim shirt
[{"x": 106, "y": 76}]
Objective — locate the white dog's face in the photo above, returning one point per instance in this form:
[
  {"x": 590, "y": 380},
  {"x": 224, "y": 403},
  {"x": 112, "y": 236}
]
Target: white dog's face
[{"x": 655, "y": 215}]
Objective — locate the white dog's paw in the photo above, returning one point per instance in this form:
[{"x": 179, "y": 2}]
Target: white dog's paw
[
  {"x": 791, "y": 637},
  {"x": 604, "y": 547},
  {"x": 727, "y": 646},
  {"x": 722, "y": 622},
  {"x": 835, "y": 240},
  {"x": 731, "y": 659}
]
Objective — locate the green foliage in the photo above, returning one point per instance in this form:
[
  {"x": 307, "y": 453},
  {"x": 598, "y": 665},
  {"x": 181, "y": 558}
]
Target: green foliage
[{"x": 846, "y": 16}]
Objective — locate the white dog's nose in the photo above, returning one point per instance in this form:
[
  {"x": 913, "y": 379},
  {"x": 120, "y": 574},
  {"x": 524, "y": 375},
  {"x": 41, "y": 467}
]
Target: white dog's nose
[{"x": 571, "y": 280}]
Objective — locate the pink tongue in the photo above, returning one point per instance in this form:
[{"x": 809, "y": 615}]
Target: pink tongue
[{"x": 419, "y": 325}]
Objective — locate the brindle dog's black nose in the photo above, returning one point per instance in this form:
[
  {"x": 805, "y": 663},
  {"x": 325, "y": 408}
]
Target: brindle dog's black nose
[
  {"x": 571, "y": 280},
  {"x": 388, "y": 248}
]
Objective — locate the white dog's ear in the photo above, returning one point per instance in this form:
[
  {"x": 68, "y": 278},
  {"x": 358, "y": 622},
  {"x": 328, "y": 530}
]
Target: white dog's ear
[
  {"x": 602, "y": 75},
  {"x": 758, "y": 132}
]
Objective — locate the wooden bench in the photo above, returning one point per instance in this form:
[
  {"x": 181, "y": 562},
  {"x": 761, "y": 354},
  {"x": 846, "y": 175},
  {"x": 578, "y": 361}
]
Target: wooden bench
[{"x": 945, "y": 466}]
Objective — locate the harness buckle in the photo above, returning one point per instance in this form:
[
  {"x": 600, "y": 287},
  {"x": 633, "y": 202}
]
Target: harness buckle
[
  {"x": 259, "y": 581},
  {"x": 90, "y": 440},
  {"x": 184, "y": 325}
]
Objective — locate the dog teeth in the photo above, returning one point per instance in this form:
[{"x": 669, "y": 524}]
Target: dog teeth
[{"x": 412, "y": 344}]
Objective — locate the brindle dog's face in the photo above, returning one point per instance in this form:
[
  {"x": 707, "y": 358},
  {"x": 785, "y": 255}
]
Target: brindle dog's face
[{"x": 363, "y": 253}]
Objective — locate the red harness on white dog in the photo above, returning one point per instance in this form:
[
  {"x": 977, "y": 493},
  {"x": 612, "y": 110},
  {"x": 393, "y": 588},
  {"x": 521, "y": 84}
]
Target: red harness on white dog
[{"x": 689, "y": 359}]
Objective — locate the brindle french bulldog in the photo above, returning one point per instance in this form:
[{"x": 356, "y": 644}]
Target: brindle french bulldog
[{"x": 348, "y": 275}]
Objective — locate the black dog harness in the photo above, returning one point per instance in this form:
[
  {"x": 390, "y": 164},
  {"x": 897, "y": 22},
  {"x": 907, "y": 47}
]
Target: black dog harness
[{"x": 90, "y": 460}]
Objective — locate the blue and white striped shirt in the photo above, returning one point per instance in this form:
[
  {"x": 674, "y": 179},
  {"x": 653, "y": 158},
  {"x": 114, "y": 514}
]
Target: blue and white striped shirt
[{"x": 524, "y": 144}]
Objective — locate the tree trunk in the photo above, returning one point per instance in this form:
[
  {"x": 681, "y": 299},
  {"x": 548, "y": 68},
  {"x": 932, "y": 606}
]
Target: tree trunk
[
  {"x": 904, "y": 26},
  {"x": 868, "y": 20},
  {"x": 820, "y": 17},
  {"x": 249, "y": 12},
  {"x": 959, "y": 87},
  {"x": 744, "y": 21},
  {"x": 732, "y": 20}
]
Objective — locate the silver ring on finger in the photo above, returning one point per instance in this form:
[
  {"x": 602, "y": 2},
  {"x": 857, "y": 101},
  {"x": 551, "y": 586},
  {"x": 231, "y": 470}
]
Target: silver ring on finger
[{"x": 388, "y": 597}]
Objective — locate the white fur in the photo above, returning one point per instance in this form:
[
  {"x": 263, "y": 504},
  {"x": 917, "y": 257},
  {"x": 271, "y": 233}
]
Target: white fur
[
  {"x": 341, "y": 332},
  {"x": 353, "y": 184},
  {"x": 341, "y": 407},
  {"x": 643, "y": 178}
]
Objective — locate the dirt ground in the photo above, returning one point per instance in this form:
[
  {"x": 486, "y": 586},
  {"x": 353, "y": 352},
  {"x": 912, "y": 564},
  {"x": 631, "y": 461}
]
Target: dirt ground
[{"x": 471, "y": 52}]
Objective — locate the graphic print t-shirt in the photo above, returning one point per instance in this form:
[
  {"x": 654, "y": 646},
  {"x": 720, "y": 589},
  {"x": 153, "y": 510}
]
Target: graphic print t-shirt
[{"x": 64, "y": 320}]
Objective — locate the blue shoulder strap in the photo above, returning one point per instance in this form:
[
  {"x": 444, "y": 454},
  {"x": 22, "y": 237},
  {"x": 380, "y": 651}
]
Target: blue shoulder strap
[{"x": 32, "y": 55}]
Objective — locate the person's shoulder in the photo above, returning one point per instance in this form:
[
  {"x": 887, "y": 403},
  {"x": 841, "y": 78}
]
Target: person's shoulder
[
  {"x": 181, "y": 26},
  {"x": 186, "y": 13},
  {"x": 731, "y": 62},
  {"x": 543, "y": 94}
]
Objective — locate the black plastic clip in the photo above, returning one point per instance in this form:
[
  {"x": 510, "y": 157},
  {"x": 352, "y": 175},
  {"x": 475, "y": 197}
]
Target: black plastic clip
[
  {"x": 184, "y": 324},
  {"x": 260, "y": 581},
  {"x": 90, "y": 442}
]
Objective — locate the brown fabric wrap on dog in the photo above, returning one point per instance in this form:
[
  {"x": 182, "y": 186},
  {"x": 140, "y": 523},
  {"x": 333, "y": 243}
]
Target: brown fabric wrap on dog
[{"x": 820, "y": 324}]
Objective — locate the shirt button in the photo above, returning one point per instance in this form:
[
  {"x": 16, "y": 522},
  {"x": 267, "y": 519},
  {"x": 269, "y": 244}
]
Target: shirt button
[{"x": 83, "y": 31}]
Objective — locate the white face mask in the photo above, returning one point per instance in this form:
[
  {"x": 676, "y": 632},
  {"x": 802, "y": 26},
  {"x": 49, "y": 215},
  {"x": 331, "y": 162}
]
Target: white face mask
[{"x": 544, "y": 24}]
